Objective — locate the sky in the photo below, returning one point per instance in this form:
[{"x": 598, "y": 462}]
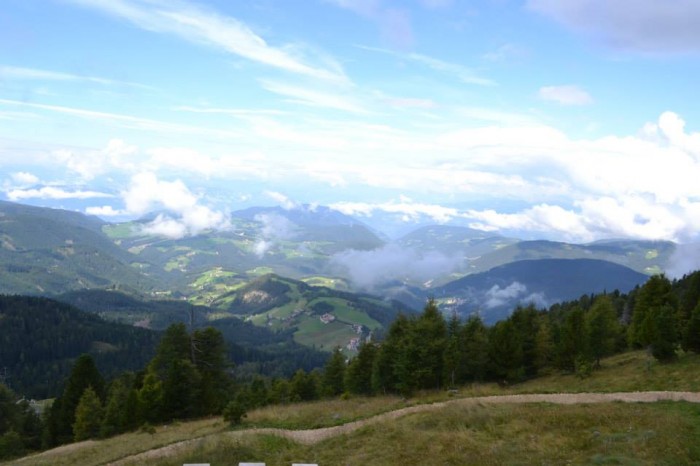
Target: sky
[{"x": 574, "y": 120}]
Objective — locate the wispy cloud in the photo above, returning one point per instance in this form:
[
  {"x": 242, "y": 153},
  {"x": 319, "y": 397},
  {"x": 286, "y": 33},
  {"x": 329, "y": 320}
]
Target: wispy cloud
[
  {"x": 315, "y": 98},
  {"x": 463, "y": 73},
  {"x": 20, "y": 73},
  {"x": 128, "y": 121},
  {"x": 565, "y": 95},
  {"x": 203, "y": 26},
  {"x": 50, "y": 192}
]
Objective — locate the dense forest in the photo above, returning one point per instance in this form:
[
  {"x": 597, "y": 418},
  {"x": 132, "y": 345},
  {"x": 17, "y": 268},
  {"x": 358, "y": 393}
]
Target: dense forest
[{"x": 190, "y": 374}]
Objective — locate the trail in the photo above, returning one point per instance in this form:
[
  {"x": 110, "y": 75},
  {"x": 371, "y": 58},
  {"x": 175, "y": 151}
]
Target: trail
[{"x": 313, "y": 436}]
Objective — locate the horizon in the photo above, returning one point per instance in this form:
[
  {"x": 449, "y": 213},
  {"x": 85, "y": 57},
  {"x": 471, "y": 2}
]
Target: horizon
[{"x": 562, "y": 120}]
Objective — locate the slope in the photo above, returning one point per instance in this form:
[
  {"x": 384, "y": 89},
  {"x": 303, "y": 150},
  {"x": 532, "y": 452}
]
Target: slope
[{"x": 495, "y": 293}]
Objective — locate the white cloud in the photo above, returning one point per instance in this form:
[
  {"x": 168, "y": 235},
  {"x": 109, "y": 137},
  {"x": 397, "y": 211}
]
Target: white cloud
[
  {"x": 284, "y": 202},
  {"x": 207, "y": 27},
  {"x": 407, "y": 209},
  {"x": 497, "y": 296},
  {"x": 20, "y": 73},
  {"x": 461, "y": 72},
  {"x": 649, "y": 26},
  {"x": 50, "y": 192},
  {"x": 565, "y": 95},
  {"x": 24, "y": 178},
  {"x": 185, "y": 215},
  {"x": 104, "y": 211},
  {"x": 315, "y": 98}
]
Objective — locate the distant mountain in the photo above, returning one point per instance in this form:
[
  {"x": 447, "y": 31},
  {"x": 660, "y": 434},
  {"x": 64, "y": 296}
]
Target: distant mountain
[
  {"x": 45, "y": 251},
  {"x": 315, "y": 224},
  {"x": 648, "y": 257},
  {"x": 495, "y": 293},
  {"x": 454, "y": 239},
  {"x": 41, "y": 339}
]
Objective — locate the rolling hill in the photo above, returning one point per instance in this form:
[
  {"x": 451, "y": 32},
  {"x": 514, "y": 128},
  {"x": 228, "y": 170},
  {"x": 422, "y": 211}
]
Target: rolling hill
[
  {"x": 495, "y": 293},
  {"x": 44, "y": 251},
  {"x": 319, "y": 317}
]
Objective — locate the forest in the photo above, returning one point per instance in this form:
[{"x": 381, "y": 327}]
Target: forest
[{"x": 191, "y": 376}]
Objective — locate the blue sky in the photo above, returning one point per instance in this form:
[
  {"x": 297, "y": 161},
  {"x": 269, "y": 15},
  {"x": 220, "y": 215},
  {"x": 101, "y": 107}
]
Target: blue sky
[{"x": 567, "y": 119}]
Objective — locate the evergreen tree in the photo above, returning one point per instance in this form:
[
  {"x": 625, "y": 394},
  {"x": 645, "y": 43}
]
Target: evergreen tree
[
  {"x": 571, "y": 346},
  {"x": 117, "y": 405},
  {"x": 303, "y": 386},
  {"x": 150, "y": 399},
  {"x": 544, "y": 344},
  {"x": 654, "y": 294},
  {"x": 691, "y": 334},
  {"x": 475, "y": 350},
  {"x": 526, "y": 321},
  {"x": 452, "y": 359},
  {"x": 175, "y": 345},
  {"x": 506, "y": 352},
  {"x": 212, "y": 364},
  {"x": 427, "y": 348},
  {"x": 334, "y": 374},
  {"x": 181, "y": 391},
  {"x": 88, "y": 416},
  {"x": 358, "y": 376},
  {"x": 601, "y": 329},
  {"x": 385, "y": 370},
  {"x": 664, "y": 334},
  {"x": 62, "y": 415}
]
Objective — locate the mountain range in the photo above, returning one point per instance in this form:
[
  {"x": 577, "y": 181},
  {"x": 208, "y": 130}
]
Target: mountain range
[{"x": 304, "y": 260}]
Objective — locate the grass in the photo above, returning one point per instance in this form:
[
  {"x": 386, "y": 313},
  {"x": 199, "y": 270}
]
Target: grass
[
  {"x": 633, "y": 434},
  {"x": 105, "y": 451},
  {"x": 542, "y": 433}
]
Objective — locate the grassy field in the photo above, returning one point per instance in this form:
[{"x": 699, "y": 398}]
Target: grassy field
[{"x": 457, "y": 434}]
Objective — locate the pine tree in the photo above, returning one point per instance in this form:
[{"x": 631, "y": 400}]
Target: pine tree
[
  {"x": 88, "y": 416},
  {"x": 150, "y": 399},
  {"x": 385, "y": 370},
  {"x": 506, "y": 352},
  {"x": 334, "y": 374},
  {"x": 691, "y": 334},
  {"x": 654, "y": 294},
  {"x": 116, "y": 407},
  {"x": 452, "y": 359},
  {"x": 475, "y": 350},
  {"x": 181, "y": 391},
  {"x": 358, "y": 376},
  {"x": 601, "y": 328},
  {"x": 62, "y": 415},
  {"x": 212, "y": 364},
  {"x": 664, "y": 333},
  {"x": 428, "y": 342}
]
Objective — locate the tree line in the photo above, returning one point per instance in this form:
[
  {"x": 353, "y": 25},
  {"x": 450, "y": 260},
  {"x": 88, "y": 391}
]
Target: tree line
[{"x": 190, "y": 375}]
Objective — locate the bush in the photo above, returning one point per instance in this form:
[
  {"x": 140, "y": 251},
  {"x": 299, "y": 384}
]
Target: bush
[{"x": 234, "y": 412}]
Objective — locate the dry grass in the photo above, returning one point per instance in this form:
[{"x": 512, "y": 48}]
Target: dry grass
[
  {"x": 105, "y": 451},
  {"x": 611, "y": 433}
]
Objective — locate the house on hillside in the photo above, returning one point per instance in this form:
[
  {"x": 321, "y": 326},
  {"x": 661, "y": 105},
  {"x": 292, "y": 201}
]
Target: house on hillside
[{"x": 327, "y": 318}]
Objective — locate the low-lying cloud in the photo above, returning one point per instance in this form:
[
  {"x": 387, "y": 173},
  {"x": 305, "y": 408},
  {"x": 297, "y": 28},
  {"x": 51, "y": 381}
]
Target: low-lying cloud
[{"x": 369, "y": 269}]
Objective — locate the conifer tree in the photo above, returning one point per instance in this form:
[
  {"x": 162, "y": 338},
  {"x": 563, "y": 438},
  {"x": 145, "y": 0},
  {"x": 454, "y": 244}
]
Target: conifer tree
[
  {"x": 334, "y": 374},
  {"x": 601, "y": 328},
  {"x": 691, "y": 334},
  {"x": 506, "y": 352},
  {"x": 475, "y": 350},
  {"x": 358, "y": 376},
  {"x": 88, "y": 416}
]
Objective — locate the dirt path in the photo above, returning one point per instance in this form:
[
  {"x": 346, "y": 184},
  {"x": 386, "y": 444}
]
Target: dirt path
[{"x": 312, "y": 436}]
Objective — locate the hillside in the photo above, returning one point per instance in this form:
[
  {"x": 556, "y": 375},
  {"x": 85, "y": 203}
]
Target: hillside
[
  {"x": 495, "y": 293},
  {"x": 45, "y": 251},
  {"x": 319, "y": 317},
  {"x": 40, "y": 339},
  {"x": 647, "y": 257},
  {"x": 254, "y": 349},
  {"x": 436, "y": 427}
]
